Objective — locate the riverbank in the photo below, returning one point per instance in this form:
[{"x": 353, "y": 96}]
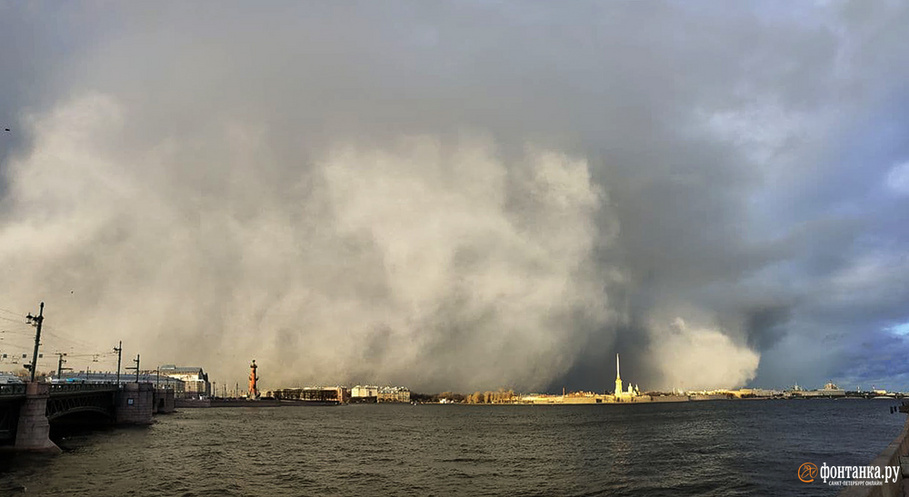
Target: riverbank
[
  {"x": 898, "y": 448},
  {"x": 207, "y": 403}
]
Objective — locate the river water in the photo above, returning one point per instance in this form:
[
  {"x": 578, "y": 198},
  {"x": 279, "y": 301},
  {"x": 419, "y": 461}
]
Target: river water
[{"x": 718, "y": 448}]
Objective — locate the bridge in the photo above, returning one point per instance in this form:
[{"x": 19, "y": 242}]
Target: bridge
[{"x": 28, "y": 410}]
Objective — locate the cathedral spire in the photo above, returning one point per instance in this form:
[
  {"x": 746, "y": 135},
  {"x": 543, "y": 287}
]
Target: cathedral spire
[{"x": 618, "y": 379}]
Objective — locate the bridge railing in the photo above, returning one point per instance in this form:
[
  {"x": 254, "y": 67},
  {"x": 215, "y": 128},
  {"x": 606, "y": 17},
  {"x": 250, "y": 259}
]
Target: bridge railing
[
  {"x": 18, "y": 389},
  {"x": 80, "y": 387},
  {"x": 13, "y": 389}
]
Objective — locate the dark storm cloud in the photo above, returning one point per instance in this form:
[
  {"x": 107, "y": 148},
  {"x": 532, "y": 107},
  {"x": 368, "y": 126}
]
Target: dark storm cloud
[{"x": 464, "y": 195}]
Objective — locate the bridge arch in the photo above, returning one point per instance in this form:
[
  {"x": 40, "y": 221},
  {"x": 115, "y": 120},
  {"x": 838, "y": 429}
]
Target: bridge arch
[
  {"x": 106, "y": 413},
  {"x": 100, "y": 403}
]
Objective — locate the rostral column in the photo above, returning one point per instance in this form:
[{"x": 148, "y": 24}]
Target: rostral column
[{"x": 253, "y": 379}]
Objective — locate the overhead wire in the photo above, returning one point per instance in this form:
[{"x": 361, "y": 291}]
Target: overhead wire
[
  {"x": 47, "y": 329},
  {"x": 17, "y": 341},
  {"x": 18, "y": 321},
  {"x": 56, "y": 332},
  {"x": 12, "y": 312}
]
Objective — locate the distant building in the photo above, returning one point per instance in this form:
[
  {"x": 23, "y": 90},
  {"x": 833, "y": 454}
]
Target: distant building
[
  {"x": 620, "y": 395},
  {"x": 195, "y": 380},
  {"x": 749, "y": 393},
  {"x": 333, "y": 395},
  {"x": 364, "y": 394},
  {"x": 571, "y": 398},
  {"x": 393, "y": 394},
  {"x": 831, "y": 390}
]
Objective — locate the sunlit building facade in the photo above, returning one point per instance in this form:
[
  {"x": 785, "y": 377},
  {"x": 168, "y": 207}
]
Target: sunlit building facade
[
  {"x": 195, "y": 380},
  {"x": 393, "y": 394}
]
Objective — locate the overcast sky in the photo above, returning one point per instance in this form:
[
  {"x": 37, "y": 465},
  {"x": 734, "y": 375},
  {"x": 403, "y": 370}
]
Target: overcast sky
[{"x": 463, "y": 195}]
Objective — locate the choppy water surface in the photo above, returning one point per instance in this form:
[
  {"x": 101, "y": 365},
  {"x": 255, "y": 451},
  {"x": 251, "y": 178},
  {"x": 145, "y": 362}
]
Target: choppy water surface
[{"x": 696, "y": 448}]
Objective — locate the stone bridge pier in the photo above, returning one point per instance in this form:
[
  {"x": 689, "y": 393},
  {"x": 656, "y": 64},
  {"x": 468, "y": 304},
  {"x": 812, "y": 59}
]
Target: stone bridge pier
[
  {"x": 27, "y": 411},
  {"x": 33, "y": 429},
  {"x": 164, "y": 401},
  {"x": 135, "y": 404}
]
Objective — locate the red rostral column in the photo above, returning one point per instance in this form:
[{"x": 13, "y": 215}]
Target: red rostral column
[{"x": 253, "y": 378}]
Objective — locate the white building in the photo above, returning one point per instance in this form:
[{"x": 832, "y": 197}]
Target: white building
[
  {"x": 194, "y": 379},
  {"x": 361, "y": 391}
]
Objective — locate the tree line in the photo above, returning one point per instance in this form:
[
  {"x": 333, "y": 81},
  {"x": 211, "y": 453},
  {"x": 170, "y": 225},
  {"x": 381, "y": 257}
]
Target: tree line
[{"x": 500, "y": 396}]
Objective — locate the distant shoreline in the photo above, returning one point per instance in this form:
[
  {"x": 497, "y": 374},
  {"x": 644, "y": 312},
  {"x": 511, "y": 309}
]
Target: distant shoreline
[{"x": 553, "y": 401}]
